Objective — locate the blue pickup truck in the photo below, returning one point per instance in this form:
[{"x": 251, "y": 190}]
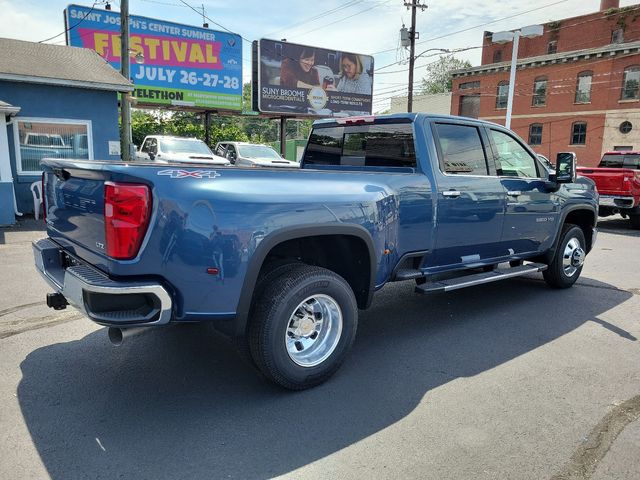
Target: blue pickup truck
[{"x": 282, "y": 260}]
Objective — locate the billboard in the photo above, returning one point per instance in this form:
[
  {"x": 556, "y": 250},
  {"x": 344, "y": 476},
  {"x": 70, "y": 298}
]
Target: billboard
[
  {"x": 301, "y": 80},
  {"x": 181, "y": 65}
]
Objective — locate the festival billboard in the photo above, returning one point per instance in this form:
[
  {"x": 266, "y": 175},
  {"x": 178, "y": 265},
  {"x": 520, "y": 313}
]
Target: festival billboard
[
  {"x": 171, "y": 63},
  {"x": 302, "y": 80}
]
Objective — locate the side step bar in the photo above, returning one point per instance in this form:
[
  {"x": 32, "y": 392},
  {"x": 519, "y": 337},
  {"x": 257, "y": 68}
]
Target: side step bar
[{"x": 480, "y": 278}]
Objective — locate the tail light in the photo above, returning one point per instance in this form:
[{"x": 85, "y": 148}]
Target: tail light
[
  {"x": 127, "y": 208},
  {"x": 43, "y": 199}
]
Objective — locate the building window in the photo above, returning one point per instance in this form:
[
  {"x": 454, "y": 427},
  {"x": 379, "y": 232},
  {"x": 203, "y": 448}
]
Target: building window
[
  {"x": 552, "y": 47},
  {"x": 540, "y": 92},
  {"x": 625, "y": 127},
  {"x": 502, "y": 95},
  {"x": 470, "y": 106},
  {"x": 497, "y": 56},
  {"x": 617, "y": 36},
  {"x": 631, "y": 83},
  {"x": 535, "y": 134},
  {"x": 583, "y": 87},
  {"x": 469, "y": 85},
  {"x": 37, "y": 138},
  {"x": 579, "y": 133}
]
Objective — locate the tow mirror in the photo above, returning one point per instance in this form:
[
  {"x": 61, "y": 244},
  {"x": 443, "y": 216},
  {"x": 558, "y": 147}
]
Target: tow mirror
[{"x": 566, "y": 167}]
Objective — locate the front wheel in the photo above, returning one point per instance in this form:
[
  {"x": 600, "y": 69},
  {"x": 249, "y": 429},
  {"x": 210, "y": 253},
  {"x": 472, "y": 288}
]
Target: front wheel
[
  {"x": 566, "y": 265},
  {"x": 303, "y": 326}
]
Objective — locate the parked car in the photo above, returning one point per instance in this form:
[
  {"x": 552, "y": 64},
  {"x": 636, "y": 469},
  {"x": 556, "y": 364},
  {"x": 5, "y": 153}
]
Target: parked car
[
  {"x": 617, "y": 179},
  {"x": 167, "y": 149},
  {"x": 244, "y": 154},
  {"x": 283, "y": 259}
]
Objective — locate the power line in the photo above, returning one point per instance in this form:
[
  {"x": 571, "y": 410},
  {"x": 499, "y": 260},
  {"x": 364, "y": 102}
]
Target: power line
[
  {"x": 75, "y": 24},
  {"x": 315, "y": 17},
  {"x": 478, "y": 26},
  {"x": 379, "y": 4}
]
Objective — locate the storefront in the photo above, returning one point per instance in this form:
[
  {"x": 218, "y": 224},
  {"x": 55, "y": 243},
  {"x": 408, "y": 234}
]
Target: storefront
[{"x": 59, "y": 102}]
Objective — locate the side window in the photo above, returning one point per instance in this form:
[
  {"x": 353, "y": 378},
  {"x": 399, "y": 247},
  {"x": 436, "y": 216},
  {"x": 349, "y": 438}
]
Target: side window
[
  {"x": 512, "y": 158},
  {"x": 383, "y": 145},
  {"x": 461, "y": 150},
  {"x": 220, "y": 151},
  {"x": 145, "y": 146},
  {"x": 153, "y": 146}
]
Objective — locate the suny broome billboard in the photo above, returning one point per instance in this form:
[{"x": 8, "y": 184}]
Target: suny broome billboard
[
  {"x": 302, "y": 80},
  {"x": 182, "y": 65}
]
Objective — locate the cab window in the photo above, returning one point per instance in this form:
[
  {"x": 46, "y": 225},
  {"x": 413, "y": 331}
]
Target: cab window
[
  {"x": 512, "y": 160},
  {"x": 461, "y": 150}
]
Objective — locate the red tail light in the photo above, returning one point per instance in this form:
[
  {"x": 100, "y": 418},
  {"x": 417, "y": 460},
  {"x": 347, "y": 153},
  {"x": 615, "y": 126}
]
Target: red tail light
[{"x": 127, "y": 208}]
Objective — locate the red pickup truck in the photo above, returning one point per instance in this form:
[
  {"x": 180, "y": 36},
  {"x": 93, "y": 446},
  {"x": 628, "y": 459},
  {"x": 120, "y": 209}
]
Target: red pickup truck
[{"x": 618, "y": 182}]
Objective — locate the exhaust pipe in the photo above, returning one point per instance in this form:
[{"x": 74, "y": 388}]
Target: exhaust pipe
[{"x": 117, "y": 335}]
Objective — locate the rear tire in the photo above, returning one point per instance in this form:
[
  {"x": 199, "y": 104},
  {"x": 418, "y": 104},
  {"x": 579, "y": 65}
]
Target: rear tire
[
  {"x": 566, "y": 265},
  {"x": 303, "y": 326}
]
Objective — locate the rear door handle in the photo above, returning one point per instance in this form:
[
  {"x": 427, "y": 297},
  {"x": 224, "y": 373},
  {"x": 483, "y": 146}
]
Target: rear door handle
[
  {"x": 514, "y": 193},
  {"x": 451, "y": 193}
]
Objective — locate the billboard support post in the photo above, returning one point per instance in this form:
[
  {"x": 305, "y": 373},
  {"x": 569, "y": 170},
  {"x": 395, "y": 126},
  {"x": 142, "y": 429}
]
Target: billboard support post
[
  {"x": 283, "y": 136},
  {"x": 125, "y": 102},
  {"x": 207, "y": 127}
]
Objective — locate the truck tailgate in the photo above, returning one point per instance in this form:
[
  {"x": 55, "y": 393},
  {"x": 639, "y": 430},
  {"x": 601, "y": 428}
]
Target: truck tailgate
[
  {"x": 74, "y": 203},
  {"x": 609, "y": 181}
]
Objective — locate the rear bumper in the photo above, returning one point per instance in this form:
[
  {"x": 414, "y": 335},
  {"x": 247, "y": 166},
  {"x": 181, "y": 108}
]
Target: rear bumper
[
  {"x": 616, "y": 201},
  {"x": 104, "y": 300}
]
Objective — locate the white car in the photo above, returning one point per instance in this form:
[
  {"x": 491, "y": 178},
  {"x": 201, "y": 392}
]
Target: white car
[
  {"x": 244, "y": 154},
  {"x": 165, "y": 149}
]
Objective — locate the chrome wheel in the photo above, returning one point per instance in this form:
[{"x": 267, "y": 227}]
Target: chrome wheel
[
  {"x": 573, "y": 257},
  {"x": 314, "y": 330}
]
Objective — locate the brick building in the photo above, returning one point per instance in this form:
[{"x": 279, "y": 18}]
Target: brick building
[{"x": 577, "y": 86}]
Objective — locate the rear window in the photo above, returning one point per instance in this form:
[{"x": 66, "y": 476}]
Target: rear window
[
  {"x": 621, "y": 161},
  {"x": 388, "y": 145}
]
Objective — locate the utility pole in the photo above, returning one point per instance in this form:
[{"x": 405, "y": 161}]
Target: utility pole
[
  {"x": 125, "y": 104},
  {"x": 415, "y": 4}
]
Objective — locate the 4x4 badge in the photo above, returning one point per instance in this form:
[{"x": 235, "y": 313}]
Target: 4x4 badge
[{"x": 189, "y": 173}]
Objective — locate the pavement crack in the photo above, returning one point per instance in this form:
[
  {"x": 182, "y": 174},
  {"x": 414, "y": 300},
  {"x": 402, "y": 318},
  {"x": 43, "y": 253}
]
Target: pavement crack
[{"x": 585, "y": 460}]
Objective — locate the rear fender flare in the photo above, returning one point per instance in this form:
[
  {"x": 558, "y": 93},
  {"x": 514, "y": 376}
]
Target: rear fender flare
[{"x": 290, "y": 233}]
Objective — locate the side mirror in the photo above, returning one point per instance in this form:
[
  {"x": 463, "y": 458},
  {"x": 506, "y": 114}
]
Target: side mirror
[{"x": 566, "y": 167}]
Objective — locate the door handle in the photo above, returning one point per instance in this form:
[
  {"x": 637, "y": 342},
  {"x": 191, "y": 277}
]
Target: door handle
[
  {"x": 451, "y": 193},
  {"x": 514, "y": 193}
]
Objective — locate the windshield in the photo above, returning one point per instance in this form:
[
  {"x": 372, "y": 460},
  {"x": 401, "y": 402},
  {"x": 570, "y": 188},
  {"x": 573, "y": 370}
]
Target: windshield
[
  {"x": 258, "y": 151},
  {"x": 621, "y": 161},
  {"x": 183, "y": 145}
]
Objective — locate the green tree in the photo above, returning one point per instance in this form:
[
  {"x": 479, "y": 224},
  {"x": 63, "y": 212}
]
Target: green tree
[{"x": 438, "y": 78}]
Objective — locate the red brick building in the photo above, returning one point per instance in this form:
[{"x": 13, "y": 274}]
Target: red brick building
[{"x": 577, "y": 86}]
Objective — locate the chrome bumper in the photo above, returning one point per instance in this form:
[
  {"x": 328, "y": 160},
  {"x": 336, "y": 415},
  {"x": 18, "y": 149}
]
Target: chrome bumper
[
  {"x": 616, "y": 201},
  {"x": 103, "y": 300}
]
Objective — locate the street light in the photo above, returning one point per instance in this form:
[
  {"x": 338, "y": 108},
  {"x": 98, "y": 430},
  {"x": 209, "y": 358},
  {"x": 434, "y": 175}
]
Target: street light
[{"x": 508, "y": 36}]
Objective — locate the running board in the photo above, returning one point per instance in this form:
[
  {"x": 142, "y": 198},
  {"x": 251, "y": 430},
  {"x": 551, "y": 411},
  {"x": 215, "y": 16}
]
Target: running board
[{"x": 480, "y": 278}]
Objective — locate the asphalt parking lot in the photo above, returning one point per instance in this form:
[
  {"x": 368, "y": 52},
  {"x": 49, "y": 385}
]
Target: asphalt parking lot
[{"x": 508, "y": 380}]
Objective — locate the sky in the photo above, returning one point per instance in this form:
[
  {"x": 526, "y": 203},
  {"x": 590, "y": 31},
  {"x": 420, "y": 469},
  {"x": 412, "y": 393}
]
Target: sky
[{"x": 362, "y": 26}]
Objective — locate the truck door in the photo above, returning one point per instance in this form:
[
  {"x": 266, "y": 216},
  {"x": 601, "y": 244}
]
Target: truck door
[
  {"x": 471, "y": 201},
  {"x": 532, "y": 212}
]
